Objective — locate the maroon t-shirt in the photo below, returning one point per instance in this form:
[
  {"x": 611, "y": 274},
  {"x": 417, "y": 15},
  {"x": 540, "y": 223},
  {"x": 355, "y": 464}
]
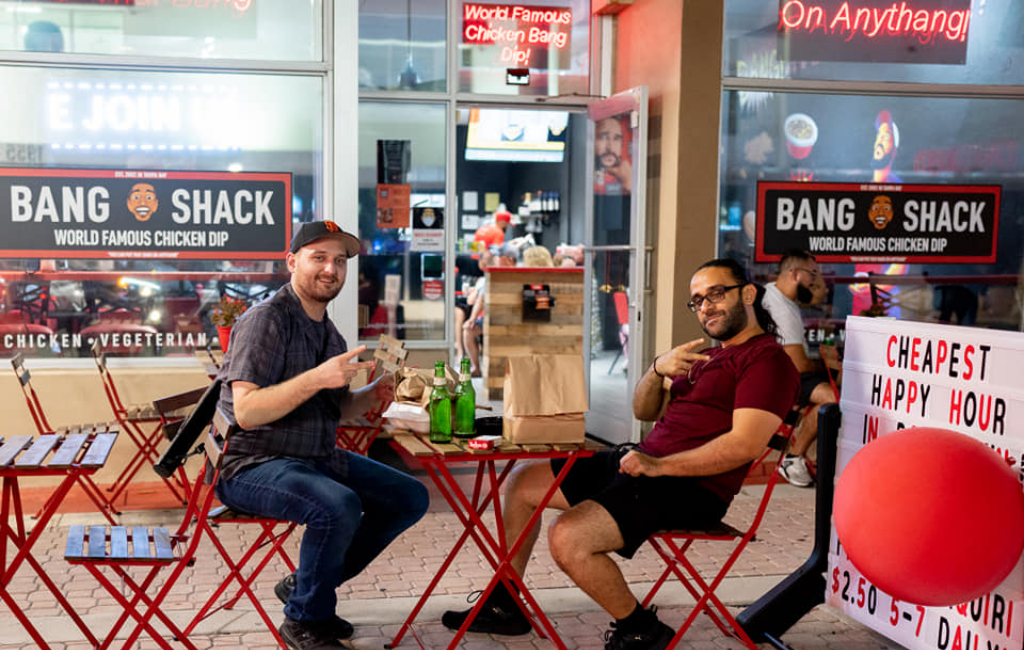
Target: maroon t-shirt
[{"x": 755, "y": 374}]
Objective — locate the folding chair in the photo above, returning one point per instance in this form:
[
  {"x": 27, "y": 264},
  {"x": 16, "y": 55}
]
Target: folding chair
[
  {"x": 120, "y": 549},
  {"x": 135, "y": 419},
  {"x": 268, "y": 536},
  {"x": 830, "y": 356},
  {"x": 35, "y": 407},
  {"x": 357, "y": 438},
  {"x": 672, "y": 545}
]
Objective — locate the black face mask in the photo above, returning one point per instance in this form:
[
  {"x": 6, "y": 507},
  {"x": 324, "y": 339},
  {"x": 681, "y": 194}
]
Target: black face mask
[{"x": 804, "y": 294}]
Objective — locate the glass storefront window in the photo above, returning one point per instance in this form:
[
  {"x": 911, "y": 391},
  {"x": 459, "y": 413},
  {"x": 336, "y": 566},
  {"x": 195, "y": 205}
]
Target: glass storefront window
[
  {"x": 401, "y": 271},
  {"x": 941, "y": 47},
  {"x": 550, "y": 38},
  {"x": 938, "y": 141},
  {"x": 149, "y": 123},
  {"x": 282, "y": 30},
  {"x": 402, "y": 45}
]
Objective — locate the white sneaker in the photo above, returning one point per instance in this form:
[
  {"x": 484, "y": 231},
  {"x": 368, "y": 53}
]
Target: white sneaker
[{"x": 794, "y": 469}]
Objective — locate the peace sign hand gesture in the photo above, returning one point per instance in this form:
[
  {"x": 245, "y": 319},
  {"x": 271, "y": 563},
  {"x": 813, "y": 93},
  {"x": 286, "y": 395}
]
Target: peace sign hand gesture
[{"x": 339, "y": 370}]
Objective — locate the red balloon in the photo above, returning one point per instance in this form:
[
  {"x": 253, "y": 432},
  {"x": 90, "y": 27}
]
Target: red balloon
[{"x": 930, "y": 516}]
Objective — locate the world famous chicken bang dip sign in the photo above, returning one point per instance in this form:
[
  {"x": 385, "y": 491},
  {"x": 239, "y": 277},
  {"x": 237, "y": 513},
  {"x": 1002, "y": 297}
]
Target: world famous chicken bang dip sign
[{"x": 82, "y": 213}]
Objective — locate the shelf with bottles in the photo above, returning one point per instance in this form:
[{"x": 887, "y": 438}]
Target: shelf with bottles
[{"x": 542, "y": 202}]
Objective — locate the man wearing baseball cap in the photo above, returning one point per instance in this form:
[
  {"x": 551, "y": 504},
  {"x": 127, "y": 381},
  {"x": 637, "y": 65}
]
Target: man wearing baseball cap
[
  {"x": 493, "y": 234},
  {"x": 286, "y": 379}
]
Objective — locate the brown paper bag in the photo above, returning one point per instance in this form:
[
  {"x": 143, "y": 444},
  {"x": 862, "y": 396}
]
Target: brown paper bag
[
  {"x": 414, "y": 385},
  {"x": 545, "y": 399}
]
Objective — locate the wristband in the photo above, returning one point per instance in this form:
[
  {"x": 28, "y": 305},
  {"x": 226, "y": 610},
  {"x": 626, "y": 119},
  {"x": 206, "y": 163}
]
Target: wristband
[{"x": 654, "y": 367}]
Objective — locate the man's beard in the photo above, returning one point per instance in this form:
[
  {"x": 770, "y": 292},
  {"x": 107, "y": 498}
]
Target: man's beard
[
  {"x": 315, "y": 290},
  {"x": 804, "y": 294},
  {"x": 731, "y": 323},
  {"x": 600, "y": 160},
  {"x": 884, "y": 161}
]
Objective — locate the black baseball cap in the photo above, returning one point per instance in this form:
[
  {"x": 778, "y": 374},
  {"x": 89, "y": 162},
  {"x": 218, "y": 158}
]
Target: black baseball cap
[{"x": 314, "y": 230}]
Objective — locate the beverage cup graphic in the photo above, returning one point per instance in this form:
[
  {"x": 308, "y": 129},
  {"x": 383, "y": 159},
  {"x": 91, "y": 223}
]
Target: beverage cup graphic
[{"x": 801, "y": 134}]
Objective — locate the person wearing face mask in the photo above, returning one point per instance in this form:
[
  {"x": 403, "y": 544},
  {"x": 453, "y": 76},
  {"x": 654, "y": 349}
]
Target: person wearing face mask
[{"x": 798, "y": 274}]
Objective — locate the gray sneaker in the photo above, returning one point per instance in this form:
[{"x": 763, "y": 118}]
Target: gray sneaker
[{"x": 794, "y": 469}]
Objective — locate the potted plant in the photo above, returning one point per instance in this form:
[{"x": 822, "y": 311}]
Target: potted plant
[{"x": 224, "y": 317}]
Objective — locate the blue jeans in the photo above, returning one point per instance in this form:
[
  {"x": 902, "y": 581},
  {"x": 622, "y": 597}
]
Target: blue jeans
[{"x": 352, "y": 508}]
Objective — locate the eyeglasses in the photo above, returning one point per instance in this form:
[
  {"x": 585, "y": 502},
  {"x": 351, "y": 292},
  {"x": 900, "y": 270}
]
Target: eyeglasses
[
  {"x": 714, "y": 295},
  {"x": 814, "y": 274}
]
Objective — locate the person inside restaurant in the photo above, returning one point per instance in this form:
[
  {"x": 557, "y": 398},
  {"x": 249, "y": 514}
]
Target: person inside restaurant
[
  {"x": 493, "y": 233},
  {"x": 796, "y": 283}
]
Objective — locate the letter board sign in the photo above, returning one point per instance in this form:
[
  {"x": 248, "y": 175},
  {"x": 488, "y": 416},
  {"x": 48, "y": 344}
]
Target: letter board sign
[
  {"x": 870, "y": 222},
  {"x": 100, "y": 213},
  {"x": 900, "y": 374}
]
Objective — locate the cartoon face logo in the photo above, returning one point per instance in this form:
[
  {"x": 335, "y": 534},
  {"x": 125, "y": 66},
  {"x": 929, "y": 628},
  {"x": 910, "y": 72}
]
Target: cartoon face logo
[
  {"x": 142, "y": 201},
  {"x": 881, "y": 212}
]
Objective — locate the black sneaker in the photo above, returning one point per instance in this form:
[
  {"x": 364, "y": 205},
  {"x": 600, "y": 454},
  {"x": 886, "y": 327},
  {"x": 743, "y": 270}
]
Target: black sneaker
[
  {"x": 283, "y": 589},
  {"x": 494, "y": 618},
  {"x": 335, "y": 627},
  {"x": 307, "y": 636},
  {"x": 655, "y": 637}
]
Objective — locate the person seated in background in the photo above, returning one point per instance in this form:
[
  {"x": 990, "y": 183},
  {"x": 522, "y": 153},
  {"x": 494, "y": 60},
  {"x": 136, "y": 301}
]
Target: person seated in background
[
  {"x": 798, "y": 275},
  {"x": 716, "y": 409},
  {"x": 470, "y": 275},
  {"x": 569, "y": 255},
  {"x": 493, "y": 234},
  {"x": 464, "y": 306},
  {"x": 473, "y": 326},
  {"x": 537, "y": 256}
]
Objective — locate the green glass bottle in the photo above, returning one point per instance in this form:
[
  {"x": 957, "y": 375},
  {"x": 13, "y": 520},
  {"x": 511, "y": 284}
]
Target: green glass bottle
[
  {"x": 465, "y": 403},
  {"x": 440, "y": 407}
]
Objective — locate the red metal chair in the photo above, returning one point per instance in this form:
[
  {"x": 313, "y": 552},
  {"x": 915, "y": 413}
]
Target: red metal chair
[
  {"x": 35, "y": 407},
  {"x": 143, "y": 425},
  {"x": 671, "y": 546},
  {"x": 357, "y": 438},
  {"x": 95, "y": 547}
]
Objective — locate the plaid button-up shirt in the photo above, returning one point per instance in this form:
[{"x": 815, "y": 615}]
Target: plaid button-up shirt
[{"x": 272, "y": 342}]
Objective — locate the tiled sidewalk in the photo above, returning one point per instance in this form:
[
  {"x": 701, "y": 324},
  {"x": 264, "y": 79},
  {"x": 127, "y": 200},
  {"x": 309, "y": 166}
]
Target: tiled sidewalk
[{"x": 378, "y": 600}]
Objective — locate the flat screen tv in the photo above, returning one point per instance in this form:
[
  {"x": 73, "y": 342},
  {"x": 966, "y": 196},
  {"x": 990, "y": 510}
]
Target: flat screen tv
[{"x": 516, "y": 136}]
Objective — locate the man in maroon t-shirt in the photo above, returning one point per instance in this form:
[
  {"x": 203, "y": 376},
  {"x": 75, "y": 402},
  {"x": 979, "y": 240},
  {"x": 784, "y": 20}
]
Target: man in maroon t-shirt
[{"x": 716, "y": 410}]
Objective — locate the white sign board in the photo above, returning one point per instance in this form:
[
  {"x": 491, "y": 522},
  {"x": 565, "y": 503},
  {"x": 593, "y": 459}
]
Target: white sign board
[
  {"x": 903, "y": 374},
  {"x": 427, "y": 241}
]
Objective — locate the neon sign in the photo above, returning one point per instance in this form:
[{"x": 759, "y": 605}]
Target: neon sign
[
  {"x": 119, "y": 116},
  {"x": 909, "y": 31},
  {"x": 520, "y": 36}
]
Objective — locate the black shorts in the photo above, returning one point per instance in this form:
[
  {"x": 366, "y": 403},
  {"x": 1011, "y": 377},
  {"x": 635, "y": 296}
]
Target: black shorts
[
  {"x": 640, "y": 505},
  {"x": 808, "y": 382},
  {"x": 460, "y": 303}
]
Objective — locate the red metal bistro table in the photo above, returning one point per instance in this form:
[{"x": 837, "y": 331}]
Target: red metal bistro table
[
  {"x": 436, "y": 460},
  {"x": 74, "y": 456}
]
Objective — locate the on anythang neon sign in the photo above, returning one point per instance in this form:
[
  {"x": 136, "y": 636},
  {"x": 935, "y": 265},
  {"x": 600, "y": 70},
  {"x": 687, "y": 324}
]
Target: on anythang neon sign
[{"x": 912, "y": 31}]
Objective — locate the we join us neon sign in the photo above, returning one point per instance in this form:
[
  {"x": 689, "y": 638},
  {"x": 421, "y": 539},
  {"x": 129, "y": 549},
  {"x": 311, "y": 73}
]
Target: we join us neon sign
[{"x": 911, "y": 31}]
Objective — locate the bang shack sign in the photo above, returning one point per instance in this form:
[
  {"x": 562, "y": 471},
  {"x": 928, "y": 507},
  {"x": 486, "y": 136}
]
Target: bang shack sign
[
  {"x": 83, "y": 213},
  {"x": 854, "y": 222}
]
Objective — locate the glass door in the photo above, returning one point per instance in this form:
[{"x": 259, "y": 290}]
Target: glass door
[{"x": 615, "y": 291}]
